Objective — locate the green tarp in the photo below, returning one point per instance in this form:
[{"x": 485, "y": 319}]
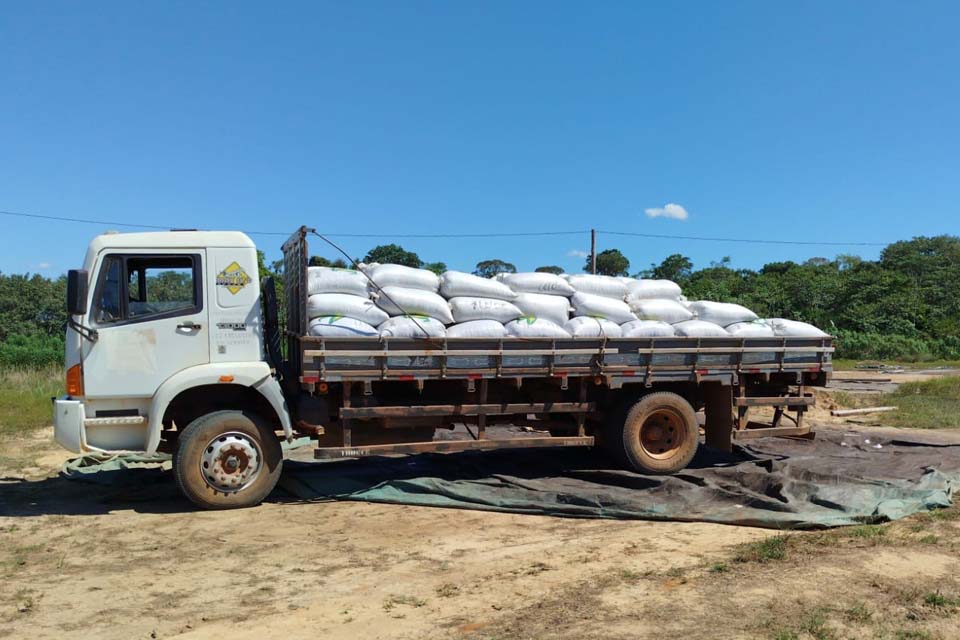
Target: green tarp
[{"x": 837, "y": 479}]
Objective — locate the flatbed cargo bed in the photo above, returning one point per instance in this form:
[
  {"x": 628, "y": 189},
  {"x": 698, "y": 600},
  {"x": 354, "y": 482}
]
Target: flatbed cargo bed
[{"x": 650, "y": 359}]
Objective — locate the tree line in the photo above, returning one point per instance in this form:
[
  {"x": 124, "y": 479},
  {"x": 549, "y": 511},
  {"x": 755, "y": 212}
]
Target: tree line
[{"x": 904, "y": 305}]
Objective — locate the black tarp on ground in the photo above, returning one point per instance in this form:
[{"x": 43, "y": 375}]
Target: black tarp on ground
[{"x": 837, "y": 479}]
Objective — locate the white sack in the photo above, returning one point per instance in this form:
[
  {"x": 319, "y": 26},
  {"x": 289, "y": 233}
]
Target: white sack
[
  {"x": 333, "y": 280},
  {"x": 397, "y": 275},
  {"x": 669, "y": 311},
  {"x": 586, "y": 327},
  {"x": 344, "y": 304},
  {"x": 412, "y": 327},
  {"x": 477, "y": 329},
  {"x": 530, "y": 327},
  {"x": 587, "y": 304},
  {"x": 606, "y": 286},
  {"x": 553, "y": 308},
  {"x": 457, "y": 283},
  {"x": 699, "y": 329},
  {"x": 466, "y": 309},
  {"x": 755, "y": 329},
  {"x": 651, "y": 289},
  {"x": 783, "y": 328},
  {"x": 537, "y": 282},
  {"x": 721, "y": 313},
  {"x": 646, "y": 329},
  {"x": 401, "y": 301},
  {"x": 340, "y": 327}
]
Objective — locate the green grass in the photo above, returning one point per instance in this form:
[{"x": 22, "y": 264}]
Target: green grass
[
  {"x": 765, "y": 550},
  {"x": 926, "y": 404},
  {"x": 25, "y": 398},
  {"x": 844, "y": 364}
]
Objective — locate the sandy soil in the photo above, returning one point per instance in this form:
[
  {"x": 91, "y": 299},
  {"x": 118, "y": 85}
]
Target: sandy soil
[{"x": 108, "y": 562}]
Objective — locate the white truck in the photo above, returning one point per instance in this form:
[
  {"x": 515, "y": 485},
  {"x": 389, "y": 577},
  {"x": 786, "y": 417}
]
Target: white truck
[{"x": 174, "y": 345}]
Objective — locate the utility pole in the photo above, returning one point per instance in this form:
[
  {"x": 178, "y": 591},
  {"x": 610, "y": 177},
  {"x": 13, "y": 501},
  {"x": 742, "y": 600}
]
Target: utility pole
[{"x": 593, "y": 251}]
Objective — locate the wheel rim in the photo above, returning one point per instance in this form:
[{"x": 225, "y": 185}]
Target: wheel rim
[
  {"x": 662, "y": 434},
  {"x": 231, "y": 462}
]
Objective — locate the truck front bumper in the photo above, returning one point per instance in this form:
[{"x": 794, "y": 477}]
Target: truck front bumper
[{"x": 68, "y": 424}]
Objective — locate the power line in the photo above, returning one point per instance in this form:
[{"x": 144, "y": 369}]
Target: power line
[
  {"x": 472, "y": 235},
  {"x": 748, "y": 240}
]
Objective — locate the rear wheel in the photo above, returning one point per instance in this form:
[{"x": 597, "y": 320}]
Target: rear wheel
[
  {"x": 659, "y": 434},
  {"x": 227, "y": 460}
]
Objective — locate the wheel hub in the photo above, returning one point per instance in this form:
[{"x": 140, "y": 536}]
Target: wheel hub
[
  {"x": 661, "y": 434},
  {"x": 230, "y": 462}
]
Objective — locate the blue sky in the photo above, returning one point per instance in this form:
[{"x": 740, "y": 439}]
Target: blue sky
[{"x": 820, "y": 121}]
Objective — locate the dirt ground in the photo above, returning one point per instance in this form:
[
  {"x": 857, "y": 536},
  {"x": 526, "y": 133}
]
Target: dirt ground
[{"x": 90, "y": 561}]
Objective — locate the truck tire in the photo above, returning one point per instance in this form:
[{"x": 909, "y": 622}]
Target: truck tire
[
  {"x": 658, "y": 435},
  {"x": 227, "y": 460}
]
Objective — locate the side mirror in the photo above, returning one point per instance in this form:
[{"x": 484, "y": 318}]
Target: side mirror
[{"x": 77, "y": 292}]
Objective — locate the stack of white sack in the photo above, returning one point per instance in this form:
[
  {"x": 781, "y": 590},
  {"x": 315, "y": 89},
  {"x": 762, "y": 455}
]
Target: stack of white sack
[
  {"x": 752, "y": 329},
  {"x": 652, "y": 290},
  {"x": 606, "y": 286},
  {"x": 474, "y": 299},
  {"x": 647, "y": 329},
  {"x": 591, "y": 327},
  {"x": 541, "y": 297},
  {"x": 783, "y": 328},
  {"x": 412, "y": 326},
  {"x": 405, "y": 291},
  {"x": 531, "y": 327},
  {"x": 662, "y": 309},
  {"x": 596, "y": 306},
  {"x": 338, "y": 303},
  {"x": 722, "y": 314}
]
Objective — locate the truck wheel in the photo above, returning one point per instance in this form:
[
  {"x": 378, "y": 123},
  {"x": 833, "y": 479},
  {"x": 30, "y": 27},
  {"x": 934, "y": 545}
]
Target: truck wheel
[
  {"x": 227, "y": 460},
  {"x": 659, "y": 434}
]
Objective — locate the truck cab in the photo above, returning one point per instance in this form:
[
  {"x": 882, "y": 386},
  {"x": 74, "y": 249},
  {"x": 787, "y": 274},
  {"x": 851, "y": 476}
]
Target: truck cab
[{"x": 166, "y": 328}]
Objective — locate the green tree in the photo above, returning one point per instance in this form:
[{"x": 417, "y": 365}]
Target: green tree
[
  {"x": 436, "y": 267},
  {"x": 490, "y": 268},
  {"x": 320, "y": 261},
  {"x": 674, "y": 267},
  {"x": 609, "y": 263},
  {"x": 393, "y": 254},
  {"x": 549, "y": 269}
]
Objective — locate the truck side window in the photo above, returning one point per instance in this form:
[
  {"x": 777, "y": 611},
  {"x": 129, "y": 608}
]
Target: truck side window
[
  {"x": 108, "y": 294},
  {"x": 164, "y": 285},
  {"x": 133, "y": 288}
]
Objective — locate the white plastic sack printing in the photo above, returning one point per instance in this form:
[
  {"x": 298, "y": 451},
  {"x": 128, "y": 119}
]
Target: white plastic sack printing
[
  {"x": 466, "y": 309},
  {"x": 553, "y": 308},
  {"x": 538, "y": 283}
]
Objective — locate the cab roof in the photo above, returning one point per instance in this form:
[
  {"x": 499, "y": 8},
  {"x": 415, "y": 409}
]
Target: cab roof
[{"x": 170, "y": 240}]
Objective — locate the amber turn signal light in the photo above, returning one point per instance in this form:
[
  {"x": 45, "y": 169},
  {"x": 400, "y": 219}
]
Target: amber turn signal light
[{"x": 75, "y": 381}]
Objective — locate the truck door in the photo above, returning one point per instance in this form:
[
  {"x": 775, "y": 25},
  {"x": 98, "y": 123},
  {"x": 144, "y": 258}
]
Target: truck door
[{"x": 150, "y": 312}]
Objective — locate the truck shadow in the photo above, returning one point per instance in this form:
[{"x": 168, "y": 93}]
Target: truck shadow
[{"x": 152, "y": 490}]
